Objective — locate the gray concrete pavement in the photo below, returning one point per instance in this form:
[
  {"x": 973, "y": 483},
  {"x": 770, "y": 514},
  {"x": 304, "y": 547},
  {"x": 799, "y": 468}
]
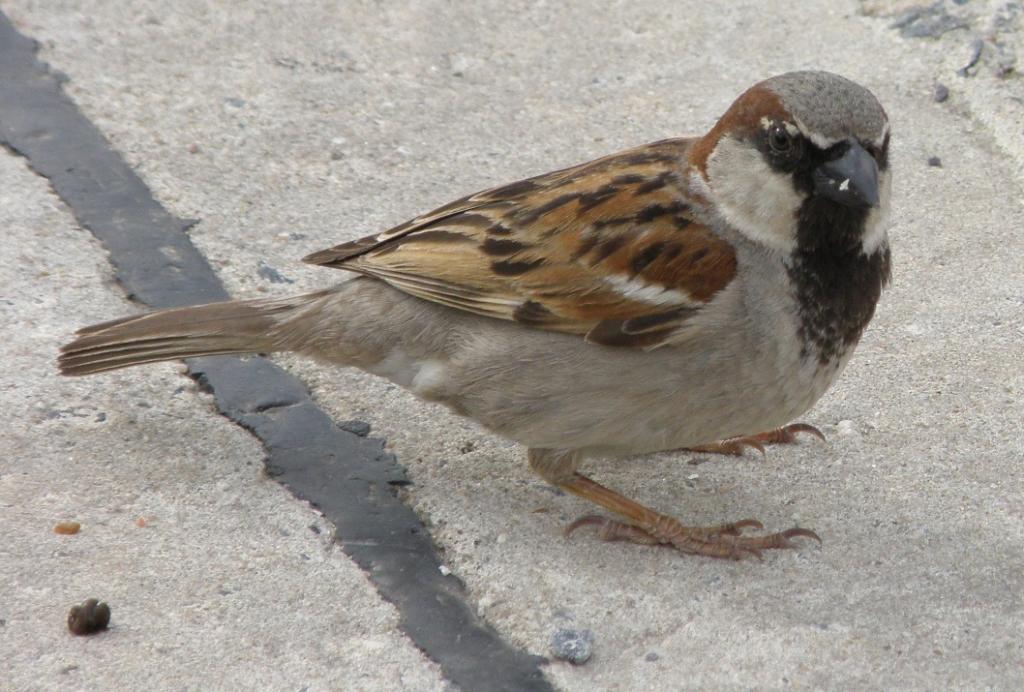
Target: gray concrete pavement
[
  {"x": 230, "y": 583},
  {"x": 287, "y": 127}
]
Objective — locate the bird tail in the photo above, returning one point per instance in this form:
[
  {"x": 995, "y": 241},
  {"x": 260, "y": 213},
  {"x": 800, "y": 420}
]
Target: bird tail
[{"x": 240, "y": 326}]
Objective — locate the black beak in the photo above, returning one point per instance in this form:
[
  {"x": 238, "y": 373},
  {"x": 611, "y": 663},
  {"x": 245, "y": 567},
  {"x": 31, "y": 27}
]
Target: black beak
[{"x": 851, "y": 179}]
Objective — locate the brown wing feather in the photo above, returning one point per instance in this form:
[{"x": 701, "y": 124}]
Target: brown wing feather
[{"x": 609, "y": 249}]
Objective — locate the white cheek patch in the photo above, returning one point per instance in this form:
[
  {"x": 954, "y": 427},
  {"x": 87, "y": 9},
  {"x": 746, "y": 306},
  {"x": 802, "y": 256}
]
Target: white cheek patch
[{"x": 759, "y": 202}]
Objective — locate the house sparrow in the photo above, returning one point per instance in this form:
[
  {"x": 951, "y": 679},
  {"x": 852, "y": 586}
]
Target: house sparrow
[{"x": 668, "y": 296}]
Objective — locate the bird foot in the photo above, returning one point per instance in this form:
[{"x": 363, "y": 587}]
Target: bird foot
[
  {"x": 722, "y": 541},
  {"x": 736, "y": 446}
]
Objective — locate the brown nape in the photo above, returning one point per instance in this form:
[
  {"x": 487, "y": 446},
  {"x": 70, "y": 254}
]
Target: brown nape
[{"x": 742, "y": 118}]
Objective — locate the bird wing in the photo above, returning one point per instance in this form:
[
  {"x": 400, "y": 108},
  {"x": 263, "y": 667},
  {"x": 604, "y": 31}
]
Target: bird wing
[{"x": 609, "y": 249}]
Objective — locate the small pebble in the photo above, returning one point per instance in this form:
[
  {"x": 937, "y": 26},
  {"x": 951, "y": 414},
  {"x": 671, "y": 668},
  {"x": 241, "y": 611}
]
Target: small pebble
[
  {"x": 444, "y": 570},
  {"x": 941, "y": 93},
  {"x": 574, "y": 646},
  {"x": 935, "y": 162},
  {"x": 89, "y": 618},
  {"x": 972, "y": 59},
  {"x": 652, "y": 657},
  {"x": 271, "y": 274},
  {"x": 356, "y": 427},
  {"x": 67, "y": 528},
  {"x": 845, "y": 427}
]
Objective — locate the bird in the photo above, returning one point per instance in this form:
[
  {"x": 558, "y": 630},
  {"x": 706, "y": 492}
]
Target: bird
[{"x": 696, "y": 292}]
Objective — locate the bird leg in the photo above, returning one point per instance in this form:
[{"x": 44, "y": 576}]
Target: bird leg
[
  {"x": 648, "y": 527},
  {"x": 735, "y": 446}
]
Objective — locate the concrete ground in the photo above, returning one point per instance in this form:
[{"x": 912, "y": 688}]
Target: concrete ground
[{"x": 287, "y": 127}]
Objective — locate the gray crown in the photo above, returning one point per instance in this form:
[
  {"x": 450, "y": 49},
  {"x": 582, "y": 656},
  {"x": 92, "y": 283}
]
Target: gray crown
[{"x": 831, "y": 106}]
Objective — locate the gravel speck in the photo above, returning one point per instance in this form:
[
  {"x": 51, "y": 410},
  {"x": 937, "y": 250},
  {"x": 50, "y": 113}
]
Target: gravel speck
[
  {"x": 356, "y": 427},
  {"x": 67, "y": 528},
  {"x": 272, "y": 275},
  {"x": 941, "y": 93},
  {"x": 975, "y": 55},
  {"x": 574, "y": 646},
  {"x": 935, "y": 161},
  {"x": 89, "y": 618}
]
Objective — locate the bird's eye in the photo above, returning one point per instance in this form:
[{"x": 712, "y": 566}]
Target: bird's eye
[{"x": 780, "y": 141}]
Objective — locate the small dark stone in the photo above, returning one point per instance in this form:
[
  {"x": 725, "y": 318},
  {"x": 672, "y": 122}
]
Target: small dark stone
[
  {"x": 356, "y": 427},
  {"x": 234, "y": 101},
  {"x": 88, "y": 618},
  {"x": 973, "y": 57},
  {"x": 272, "y": 275},
  {"x": 935, "y": 162},
  {"x": 287, "y": 63},
  {"x": 652, "y": 657},
  {"x": 941, "y": 93},
  {"x": 100, "y": 417},
  {"x": 574, "y": 646},
  {"x": 927, "y": 22}
]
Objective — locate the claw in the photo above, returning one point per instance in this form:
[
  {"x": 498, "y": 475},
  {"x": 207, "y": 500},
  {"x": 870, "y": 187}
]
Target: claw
[
  {"x": 612, "y": 530},
  {"x": 648, "y": 527},
  {"x": 585, "y": 520},
  {"x": 787, "y": 434},
  {"x": 724, "y": 540},
  {"x": 735, "y": 446},
  {"x": 796, "y": 531},
  {"x": 754, "y": 444},
  {"x": 747, "y": 524},
  {"x": 806, "y": 428},
  {"x": 734, "y": 528}
]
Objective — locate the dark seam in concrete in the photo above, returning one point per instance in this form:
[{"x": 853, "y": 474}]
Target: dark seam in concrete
[{"x": 349, "y": 478}]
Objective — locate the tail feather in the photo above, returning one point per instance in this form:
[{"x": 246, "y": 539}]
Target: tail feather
[{"x": 249, "y": 326}]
